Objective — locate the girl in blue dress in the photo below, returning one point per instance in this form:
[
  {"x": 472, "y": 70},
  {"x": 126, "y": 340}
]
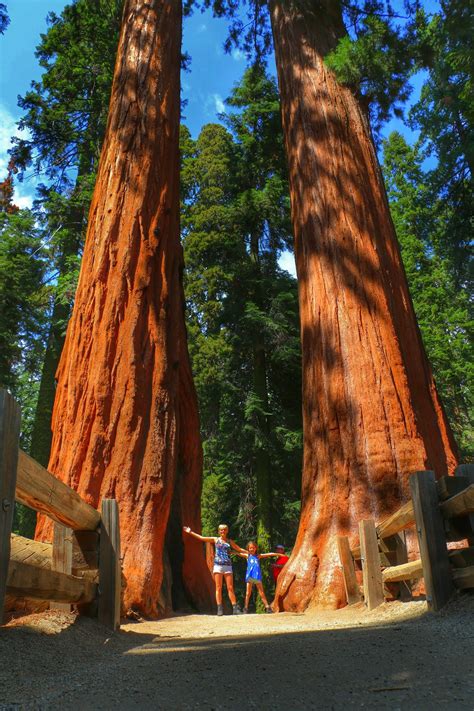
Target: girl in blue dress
[
  {"x": 222, "y": 564},
  {"x": 254, "y": 574}
]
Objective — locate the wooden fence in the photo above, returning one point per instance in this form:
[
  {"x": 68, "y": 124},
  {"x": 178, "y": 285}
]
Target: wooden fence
[
  {"x": 441, "y": 511},
  {"x": 82, "y": 565}
]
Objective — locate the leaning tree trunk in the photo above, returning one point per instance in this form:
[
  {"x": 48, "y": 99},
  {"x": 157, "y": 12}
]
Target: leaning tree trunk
[
  {"x": 116, "y": 417},
  {"x": 371, "y": 414}
]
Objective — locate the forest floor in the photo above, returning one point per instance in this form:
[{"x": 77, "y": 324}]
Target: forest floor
[{"x": 398, "y": 656}]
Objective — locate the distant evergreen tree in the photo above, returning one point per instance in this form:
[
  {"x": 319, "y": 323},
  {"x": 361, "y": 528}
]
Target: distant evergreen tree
[
  {"x": 243, "y": 317},
  {"x": 444, "y": 312}
]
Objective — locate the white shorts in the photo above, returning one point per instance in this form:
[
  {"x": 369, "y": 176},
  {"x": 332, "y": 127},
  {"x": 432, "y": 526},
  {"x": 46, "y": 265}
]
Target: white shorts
[{"x": 222, "y": 569}]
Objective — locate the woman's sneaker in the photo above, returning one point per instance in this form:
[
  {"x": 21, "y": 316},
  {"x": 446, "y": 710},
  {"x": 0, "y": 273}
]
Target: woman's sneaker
[
  {"x": 236, "y": 610},
  {"x": 220, "y": 610},
  {"x": 269, "y": 610}
]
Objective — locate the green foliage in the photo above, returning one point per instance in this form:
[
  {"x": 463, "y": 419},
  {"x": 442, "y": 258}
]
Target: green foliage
[
  {"x": 444, "y": 116},
  {"x": 243, "y": 315},
  {"x": 23, "y": 298},
  {"x": 443, "y": 310}
]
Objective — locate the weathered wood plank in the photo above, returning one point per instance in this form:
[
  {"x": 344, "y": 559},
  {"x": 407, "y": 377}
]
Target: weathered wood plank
[
  {"x": 448, "y": 486},
  {"x": 372, "y": 574},
  {"x": 30, "y": 581},
  {"x": 10, "y": 418},
  {"x": 85, "y": 551},
  {"x": 39, "y": 489},
  {"x": 460, "y": 504},
  {"x": 465, "y": 470},
  {"x": 110, "y": 582},
  {"x": 348, "y": 571},
  {"x": 463, "y": 578},
  {"x": 462, "y": 557},
  {"x": 24, "y": 550},
  {"x": 400, "y": 519},
  {"x": 406, "y": 571},
  {"x": 395, "y": 551},
  {"x": 431, "y": 540},
  {"x": 62, "y": 558}
]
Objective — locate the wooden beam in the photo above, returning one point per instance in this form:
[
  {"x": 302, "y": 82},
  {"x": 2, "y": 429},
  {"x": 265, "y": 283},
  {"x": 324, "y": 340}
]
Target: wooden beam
[
  {"x": 40, "y": 490},
  {"x": 372, "y": 574},
  {"x": 394, "y": 549},
  {"x": 462, "y": 557},
  {"x": 24, "y": 550},
  {"x": 348, "y": 571},
  {"x": 110, "y": 578},
  {"x": 399, "y": 520},
  {"x": 40, "y": 583},
  {"x": 62, "y": 558},
  {"x": 10, "y": 418},
  {"x": 407, "y": 571},
  {"x": 465, "y": 470},
  {"x": 459, "y": 504},
  {"x": 431, "y": 540},
  {"x": 463, "y": 578}
]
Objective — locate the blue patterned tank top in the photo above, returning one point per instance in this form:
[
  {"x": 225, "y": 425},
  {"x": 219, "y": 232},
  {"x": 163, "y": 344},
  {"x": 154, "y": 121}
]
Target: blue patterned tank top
[
  {"x": 253, "y": 568},
  {"x": 222, "y": 556}
]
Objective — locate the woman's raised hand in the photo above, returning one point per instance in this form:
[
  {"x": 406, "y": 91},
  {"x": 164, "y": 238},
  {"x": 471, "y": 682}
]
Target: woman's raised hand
[{"x": 186, "y": 529}]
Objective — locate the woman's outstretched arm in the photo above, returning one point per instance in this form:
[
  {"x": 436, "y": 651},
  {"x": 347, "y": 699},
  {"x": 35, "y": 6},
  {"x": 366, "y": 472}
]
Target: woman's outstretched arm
[
  {"x": 187, "y": 530},
  {"x": 268, "y": 555}
]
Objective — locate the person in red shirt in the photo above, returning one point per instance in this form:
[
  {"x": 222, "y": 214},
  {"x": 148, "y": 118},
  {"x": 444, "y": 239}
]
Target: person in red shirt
[{"x": 280, "y": 562}]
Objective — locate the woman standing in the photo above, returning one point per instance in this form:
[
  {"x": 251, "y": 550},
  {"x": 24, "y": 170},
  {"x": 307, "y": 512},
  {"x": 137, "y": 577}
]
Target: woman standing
[{"x": 222, "y": 564}]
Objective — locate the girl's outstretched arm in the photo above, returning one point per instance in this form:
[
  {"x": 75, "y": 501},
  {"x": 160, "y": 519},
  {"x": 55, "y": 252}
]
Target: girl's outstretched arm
[
  {"x": 268, "y": 555},
  {"x": 237, "y": 547},
  {"x": 211, "y": 539}
]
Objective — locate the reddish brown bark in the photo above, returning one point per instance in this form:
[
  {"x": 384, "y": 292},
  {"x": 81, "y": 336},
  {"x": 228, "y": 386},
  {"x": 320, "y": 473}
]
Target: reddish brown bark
[
  {"x": 371, "y": 414},
  {"x": 121, "y": 416}
]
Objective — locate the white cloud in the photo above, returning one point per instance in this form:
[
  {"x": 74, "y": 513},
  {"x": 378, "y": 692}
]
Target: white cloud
[
  {"x": 24, "y": 192},
  {"x": 287, "y": 262},
  {"x": 218, "y": 103},
  {"x": 238, "y": 55}
]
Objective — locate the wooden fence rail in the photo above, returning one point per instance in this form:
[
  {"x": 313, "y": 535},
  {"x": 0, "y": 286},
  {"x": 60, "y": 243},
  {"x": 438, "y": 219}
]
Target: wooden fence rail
[
  {"x": 82, "y": 565},
  {"x": 441, "y": 511}
]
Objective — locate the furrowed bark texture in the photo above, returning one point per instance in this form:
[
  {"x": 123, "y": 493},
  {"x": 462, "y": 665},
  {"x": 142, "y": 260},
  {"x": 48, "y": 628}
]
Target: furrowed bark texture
[
  {"x": 371, "y": 414},
  {"x": 124, "y": 377}
]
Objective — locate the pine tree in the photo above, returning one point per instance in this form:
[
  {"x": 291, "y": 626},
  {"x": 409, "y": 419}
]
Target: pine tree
[{"x": 242, "y": 315}]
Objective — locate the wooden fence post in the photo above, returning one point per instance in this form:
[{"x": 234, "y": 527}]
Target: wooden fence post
[
  {"x": 369, "y": 549},
  {"x": 348, "y": 570},
  {"x": 62, "y": 558},
  {"x": 110, "y": 579},
  {"x": 10, "y": 418},
  {"x": 431, "y": 539}
]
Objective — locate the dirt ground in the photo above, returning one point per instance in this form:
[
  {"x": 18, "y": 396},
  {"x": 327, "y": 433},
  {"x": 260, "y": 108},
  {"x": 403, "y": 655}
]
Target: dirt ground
[{"x": 396, "y": 657}]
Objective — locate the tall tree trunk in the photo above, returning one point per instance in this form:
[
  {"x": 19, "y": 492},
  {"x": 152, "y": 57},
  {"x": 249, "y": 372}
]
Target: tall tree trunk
[
  {"x": 116, "y": 416},
  {"x": 371, "y": 414}
]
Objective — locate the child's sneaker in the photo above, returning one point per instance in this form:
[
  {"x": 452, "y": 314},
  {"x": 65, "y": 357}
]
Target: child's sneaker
[
  {"x": 236, "y": 610},
  {"x": 269, "y": 610},
  {"x": 220, "y": 610},
  {"x": 245, "y": 611}
]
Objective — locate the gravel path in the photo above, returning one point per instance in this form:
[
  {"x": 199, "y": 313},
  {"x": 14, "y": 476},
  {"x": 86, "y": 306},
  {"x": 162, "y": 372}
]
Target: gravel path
[{"x": 396, "y": 657}]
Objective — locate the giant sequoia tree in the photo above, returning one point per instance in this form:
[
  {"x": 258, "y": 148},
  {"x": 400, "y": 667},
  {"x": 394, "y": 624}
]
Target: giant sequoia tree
[
  {"x": 371, "y": 414},
  {"x": 125, "y": 419}
]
